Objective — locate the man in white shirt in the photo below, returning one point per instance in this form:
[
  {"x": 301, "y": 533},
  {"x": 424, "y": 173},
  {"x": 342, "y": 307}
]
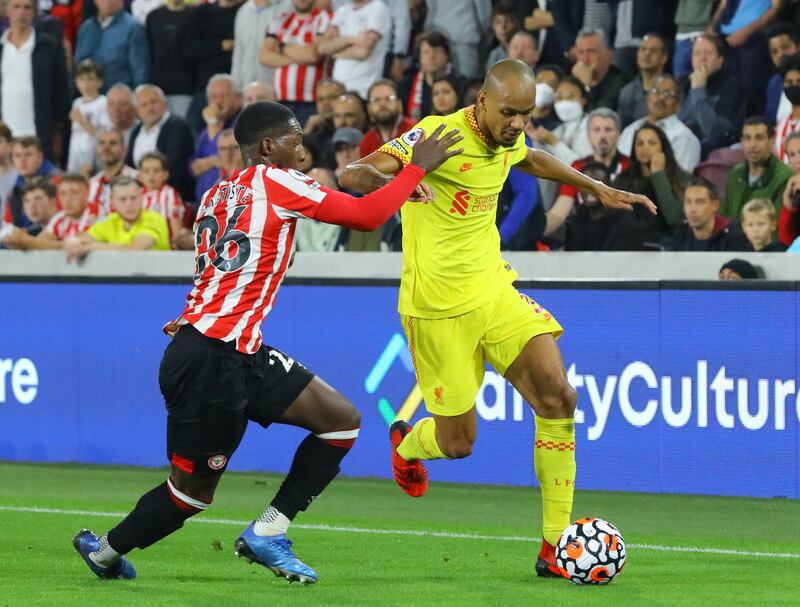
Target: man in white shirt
[
  {"x": 358, "y": 40},
  {"x": 253, "y": 19},
  {"x": 663, "y": 103}
]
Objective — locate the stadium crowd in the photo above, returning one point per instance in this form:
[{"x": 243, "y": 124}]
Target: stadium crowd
[{"x": 117, "y": 114}]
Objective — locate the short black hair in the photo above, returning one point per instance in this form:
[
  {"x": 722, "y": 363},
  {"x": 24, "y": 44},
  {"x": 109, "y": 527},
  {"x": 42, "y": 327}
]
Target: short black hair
[
  {"x": 261, "y": 119},
  {"x": 788, "y": 64},
  {"x": 40, "y": 183},
  {"x": 756, "y": 120},
  {"x": 783, "y": 28},
  {"x": 594, "y": 165},
  {"x": 702, "y": 182}
]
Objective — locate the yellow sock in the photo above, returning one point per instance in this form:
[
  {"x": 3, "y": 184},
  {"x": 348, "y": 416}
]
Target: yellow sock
[
  {"x": 421, "y": 442},
  {"x": 554, "y": 462}
]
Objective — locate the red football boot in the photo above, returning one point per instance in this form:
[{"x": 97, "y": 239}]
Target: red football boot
[
  {"x": 411, "y": 476},
  {"x": 546, "y": 563}
]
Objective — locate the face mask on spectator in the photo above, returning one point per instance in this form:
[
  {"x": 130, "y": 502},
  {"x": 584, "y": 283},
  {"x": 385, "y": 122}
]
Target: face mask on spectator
[
  {"x": 544, "y": 94},
  {"x": 792, "y": 93},
  {"x": 568, "y": 110}
]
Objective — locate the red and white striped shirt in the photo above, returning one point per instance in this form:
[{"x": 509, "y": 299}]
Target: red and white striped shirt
[
  {"x": 166, "y": 201},
  {"x": 100, "y": 190},
  {"x": 244, "y": 239},
  {"x": 62, "y": 225},
  {"x": 297, "y": 82}
]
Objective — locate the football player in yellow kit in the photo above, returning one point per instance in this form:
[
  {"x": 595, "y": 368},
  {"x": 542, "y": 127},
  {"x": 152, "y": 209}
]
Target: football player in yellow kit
[{"x": 458, "y": 305}]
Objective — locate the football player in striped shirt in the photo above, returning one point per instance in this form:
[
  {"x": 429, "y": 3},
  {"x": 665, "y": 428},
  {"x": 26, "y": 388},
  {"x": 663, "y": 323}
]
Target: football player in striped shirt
[{"x": 216, "y": 374}]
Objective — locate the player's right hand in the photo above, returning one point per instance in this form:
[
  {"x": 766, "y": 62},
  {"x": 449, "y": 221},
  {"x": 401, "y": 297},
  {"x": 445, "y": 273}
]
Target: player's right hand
[{"x": 429, "y": 153}]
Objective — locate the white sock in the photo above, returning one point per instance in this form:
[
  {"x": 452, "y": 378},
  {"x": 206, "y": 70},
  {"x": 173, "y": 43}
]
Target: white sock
[
  {"x": 271, "y": 522},
  {"x": 105, "y": 555}
]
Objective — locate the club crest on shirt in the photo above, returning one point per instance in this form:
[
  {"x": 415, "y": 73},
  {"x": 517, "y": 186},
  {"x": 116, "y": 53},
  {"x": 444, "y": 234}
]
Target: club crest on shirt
[
  {"x": 215, "y": 462},
  {"x": 412, "y": 136}
]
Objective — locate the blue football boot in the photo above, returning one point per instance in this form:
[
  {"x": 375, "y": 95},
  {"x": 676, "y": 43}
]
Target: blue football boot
[
  {"x": 86, "y": 542},
  {"x": 275, "y": 553}
]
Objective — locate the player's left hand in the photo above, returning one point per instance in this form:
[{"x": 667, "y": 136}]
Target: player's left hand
[
  {"x": 423, "y": 194},
  {"x": 619, "y": 199}
]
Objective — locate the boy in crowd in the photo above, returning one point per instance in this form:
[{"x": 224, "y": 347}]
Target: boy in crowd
[
  {"x": 162, "y": 198},
  {"x": 759, "y": 225}
]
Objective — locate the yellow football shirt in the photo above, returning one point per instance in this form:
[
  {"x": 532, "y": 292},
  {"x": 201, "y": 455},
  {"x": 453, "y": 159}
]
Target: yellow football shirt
[
  {"x": 112, "y": 230},
  {"x": 451, "y": 247}
]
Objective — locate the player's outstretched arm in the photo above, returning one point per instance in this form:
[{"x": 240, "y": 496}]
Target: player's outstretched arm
[
  {"x": 541, "y": 164},
  {"x": 372, "y": 211},
  {"x": 369, "y": 173}
]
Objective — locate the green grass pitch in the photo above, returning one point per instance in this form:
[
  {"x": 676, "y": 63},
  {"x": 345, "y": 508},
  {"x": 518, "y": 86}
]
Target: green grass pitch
[{"x": 460, "y": 545}]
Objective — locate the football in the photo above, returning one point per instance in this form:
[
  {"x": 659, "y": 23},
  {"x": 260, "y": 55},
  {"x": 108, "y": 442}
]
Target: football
[{"x": 591, "y": 551}]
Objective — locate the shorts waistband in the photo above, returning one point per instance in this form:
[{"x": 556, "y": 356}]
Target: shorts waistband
[{"x": 190, "y": 334}]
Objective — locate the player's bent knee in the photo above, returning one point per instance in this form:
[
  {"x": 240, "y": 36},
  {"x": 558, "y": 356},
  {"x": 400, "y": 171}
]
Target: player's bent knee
[
  {"x": 560, "y": 403},
  {"x": 456, "y": 449}
]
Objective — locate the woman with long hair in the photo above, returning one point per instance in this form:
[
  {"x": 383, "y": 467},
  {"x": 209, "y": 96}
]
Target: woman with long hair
[
  {"x": 446, "y": 95},
  {"x": 654, "y": 173}
]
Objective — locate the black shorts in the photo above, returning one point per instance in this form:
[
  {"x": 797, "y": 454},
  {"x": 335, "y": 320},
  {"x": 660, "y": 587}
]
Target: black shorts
[{"x": 212, "y": 390}]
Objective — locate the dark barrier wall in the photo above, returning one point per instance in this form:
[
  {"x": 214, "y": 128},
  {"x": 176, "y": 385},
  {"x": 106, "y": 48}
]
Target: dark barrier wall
[{"x": 681, "y": 388}]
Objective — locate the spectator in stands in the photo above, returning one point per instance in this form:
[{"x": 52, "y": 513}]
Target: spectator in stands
[
  {"x": 130, "y": 228},
  {"x": 663, "y": 102},
  {"x": 312, "y": 235},
  {"x": 69, "y": 13},
  {"x": 738, "y": 269},
  {"x": 712, "y": 100},
  {"x": 651, "y": 59},
  {"x": 783, "y": 40},
  {"x": 762, "y": 175},
  {"x": 569, "y": 141},
  {"x": 789, "y": 218},
  {"x": 504, "y": 24},
  {"x": 747, "y": 55},
  {"x": 432, "y": 51},
  {"x": 111, "y": 155},
  {"x": 465, "y": 24},
  {"x": 326, "y": 92},
  {"x": 33, "y": 80},
  {"x": 446, "y": 95},
  {"x": 230, "y": 156},
  {"x": 8, "y": 174},
  {"x": 692, "y": 19},
  {"x": 121, "y": 110},
  {"x": 593, "y": 68},
  {"x": 760, "y": 226},
  {"x": 790, "y": 69},
  {"x": 518, "y": 209},
  {"x": 29, "y": 162},
  {"x": 254, "y": 18},
  {"x": 163, "y": 199},
  {"x": 538, "y": 18},
  {"x": 604, "y": 129},
  {"x": 89, "y": 113},
  {"x": 290, "y": 49},
  {"x": 522, "y": 46},
  {"x": 655, "y": 173},
  {"x": 170, "y": 70},
  {"x": 471, "y": 89},
  {"x": 594, "y": 227},
  {"x": 386, "y": 113},
  {"x": 358, "y": 40},
  {"x": 209, "y": 46},
  {"x": 118, "y": 42},
  {"x": 634, "y": 21},
  {"x": 257, "y": 91},
  {"x": 704, "y": 228},
  {"x": 548, "y": 77},
  {"x": 221, "y": 112},
  {"x": 346, "y": 141},
  {"x": 39, "y": 205},
  {"x": 161, "y": 130}
]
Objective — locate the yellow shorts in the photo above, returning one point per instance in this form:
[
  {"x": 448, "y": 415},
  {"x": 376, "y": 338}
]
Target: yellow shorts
[{"x": 449, "y": 353}]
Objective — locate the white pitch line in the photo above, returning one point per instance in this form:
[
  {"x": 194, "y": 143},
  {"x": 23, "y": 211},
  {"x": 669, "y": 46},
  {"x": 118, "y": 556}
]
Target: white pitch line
[{"x": 414, "y": 533}]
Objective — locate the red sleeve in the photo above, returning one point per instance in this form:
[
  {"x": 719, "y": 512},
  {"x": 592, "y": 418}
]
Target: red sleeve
[
  {"x": 787, "y": 225},
  {"x": 373, "y": 210},
  {"x": 571, "y": 190}
]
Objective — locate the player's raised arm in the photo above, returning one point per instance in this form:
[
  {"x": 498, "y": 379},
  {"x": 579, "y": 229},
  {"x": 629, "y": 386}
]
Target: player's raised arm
[
  {"x": 373, "y": 210},
  {"x": 370, "y": 173},
  {"x": 541, "y": 164}
]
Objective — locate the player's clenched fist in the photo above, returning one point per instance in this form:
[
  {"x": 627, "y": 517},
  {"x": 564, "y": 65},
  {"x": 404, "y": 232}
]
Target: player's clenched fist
[{"x": 430, "y": 152}]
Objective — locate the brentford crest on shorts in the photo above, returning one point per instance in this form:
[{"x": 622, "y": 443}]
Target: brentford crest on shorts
[{"x": 244, "y": 239}]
